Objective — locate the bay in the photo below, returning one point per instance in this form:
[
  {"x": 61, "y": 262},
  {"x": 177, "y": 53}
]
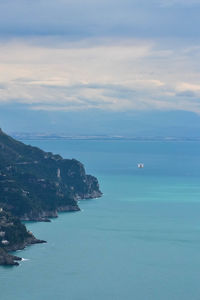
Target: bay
[{"x": 141, "y": 240}]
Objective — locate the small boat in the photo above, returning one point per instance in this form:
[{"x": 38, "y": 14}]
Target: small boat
[{"x": 140, "y": 165}]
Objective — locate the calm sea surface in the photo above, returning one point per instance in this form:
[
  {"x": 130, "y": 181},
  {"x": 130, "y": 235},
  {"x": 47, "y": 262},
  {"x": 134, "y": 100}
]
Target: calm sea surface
[{"x": 140, "y": 241}]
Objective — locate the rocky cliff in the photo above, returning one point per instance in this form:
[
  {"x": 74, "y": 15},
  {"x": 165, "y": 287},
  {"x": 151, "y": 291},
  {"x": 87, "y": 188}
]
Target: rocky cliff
[
  {"x": 13, "y": 236},
  {"x": 36, "y": 185}
]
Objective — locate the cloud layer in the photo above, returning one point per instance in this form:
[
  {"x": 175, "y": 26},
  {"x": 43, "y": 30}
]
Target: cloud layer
[
  {"x": 107, "y": 55},
  {"x": 102, "y": 74}
]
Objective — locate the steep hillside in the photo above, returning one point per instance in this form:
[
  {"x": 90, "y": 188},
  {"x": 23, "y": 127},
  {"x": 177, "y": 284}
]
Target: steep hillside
[
  {"x": 13, "y": 236},
  {"x": 35, "y": 185}
]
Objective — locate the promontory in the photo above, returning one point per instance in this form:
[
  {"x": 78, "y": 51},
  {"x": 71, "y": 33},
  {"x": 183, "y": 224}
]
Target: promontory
[{"x": 36, "y": 185}]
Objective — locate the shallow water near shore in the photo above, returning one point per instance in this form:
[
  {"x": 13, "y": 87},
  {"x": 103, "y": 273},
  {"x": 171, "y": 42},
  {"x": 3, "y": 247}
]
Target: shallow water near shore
[{"x": 141, "y": 240}]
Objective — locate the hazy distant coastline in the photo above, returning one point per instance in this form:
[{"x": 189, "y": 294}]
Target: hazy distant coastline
[{"x": 47, "y": 136}]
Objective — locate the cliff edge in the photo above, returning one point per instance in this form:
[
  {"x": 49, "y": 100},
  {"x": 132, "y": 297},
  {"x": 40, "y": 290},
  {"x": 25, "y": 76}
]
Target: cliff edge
[{"x": 34, "y": 186}]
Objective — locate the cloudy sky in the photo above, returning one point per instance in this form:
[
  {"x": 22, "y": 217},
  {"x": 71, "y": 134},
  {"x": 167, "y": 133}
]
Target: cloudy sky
[{"x": 100, "y": 67}]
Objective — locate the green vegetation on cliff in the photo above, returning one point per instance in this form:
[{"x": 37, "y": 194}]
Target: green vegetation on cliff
[
  {"x": 35, "y": 185},
  {"x": 13, "y": 236},
  {"x": 12, "y": 231}
]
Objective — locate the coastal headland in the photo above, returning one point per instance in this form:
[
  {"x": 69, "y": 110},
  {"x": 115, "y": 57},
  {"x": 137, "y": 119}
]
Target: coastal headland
[{"x": 35, "y": 186}]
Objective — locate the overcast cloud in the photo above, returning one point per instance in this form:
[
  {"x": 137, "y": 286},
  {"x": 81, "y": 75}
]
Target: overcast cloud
[{"x": 107, "y": 55}]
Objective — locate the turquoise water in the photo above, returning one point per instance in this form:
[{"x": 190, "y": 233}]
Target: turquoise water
[{"x": 140, "y": 241}]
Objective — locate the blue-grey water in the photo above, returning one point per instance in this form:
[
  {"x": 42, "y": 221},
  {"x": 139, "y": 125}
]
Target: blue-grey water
[{"x": 140, "y": 241}]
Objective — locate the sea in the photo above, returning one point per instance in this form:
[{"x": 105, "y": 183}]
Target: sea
[{"x": 139, "y": 241}]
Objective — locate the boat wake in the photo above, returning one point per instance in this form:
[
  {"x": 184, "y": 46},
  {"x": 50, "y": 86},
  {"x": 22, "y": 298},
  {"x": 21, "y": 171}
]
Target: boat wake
[{"x": 25, "y": 259}]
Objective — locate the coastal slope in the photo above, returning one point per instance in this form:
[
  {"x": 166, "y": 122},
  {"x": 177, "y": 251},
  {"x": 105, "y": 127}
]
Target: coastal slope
[
  {"x": 13, "y": 236},
  {"x": 34, "y": 186}
]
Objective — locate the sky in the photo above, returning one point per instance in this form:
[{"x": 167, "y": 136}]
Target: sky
[{"x": 116, "y": 67}]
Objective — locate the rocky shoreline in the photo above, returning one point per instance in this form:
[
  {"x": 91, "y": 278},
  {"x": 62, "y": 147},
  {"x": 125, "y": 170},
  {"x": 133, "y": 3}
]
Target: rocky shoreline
[
  {"x": 35, "y": 186},
  {"x": 7, "y": 259},
  {"x": 45, "y": 216},
  {"x": 13, "y": 236}
]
